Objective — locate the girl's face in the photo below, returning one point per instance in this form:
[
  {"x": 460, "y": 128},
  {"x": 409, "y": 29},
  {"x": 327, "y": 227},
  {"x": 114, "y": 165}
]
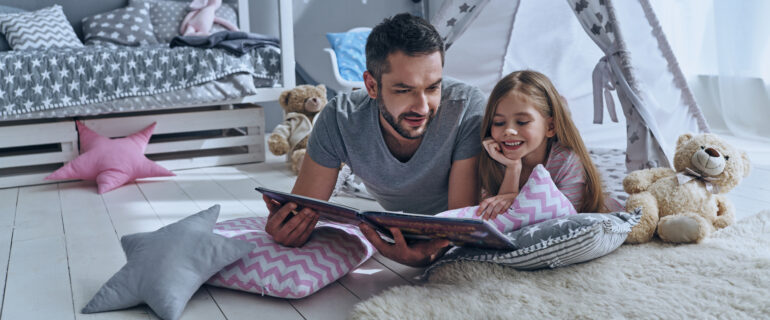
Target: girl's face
[{"x": 519, "y": 127}]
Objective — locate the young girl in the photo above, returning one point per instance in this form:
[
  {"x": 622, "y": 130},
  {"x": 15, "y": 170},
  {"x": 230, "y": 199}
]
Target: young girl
[{"x": 526, "y": 123}]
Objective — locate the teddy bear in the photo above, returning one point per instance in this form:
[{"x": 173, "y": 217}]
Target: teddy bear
[
  {"x": 301, "y": 105},
  {"x": 686, "y": 205}
]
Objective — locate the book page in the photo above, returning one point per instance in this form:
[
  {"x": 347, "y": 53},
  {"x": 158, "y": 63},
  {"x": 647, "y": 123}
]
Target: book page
[{"x": 461, "y": 232}]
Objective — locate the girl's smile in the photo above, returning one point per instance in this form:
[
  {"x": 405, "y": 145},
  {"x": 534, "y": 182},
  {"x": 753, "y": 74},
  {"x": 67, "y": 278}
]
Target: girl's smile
[{"x": 511, "y": 145}]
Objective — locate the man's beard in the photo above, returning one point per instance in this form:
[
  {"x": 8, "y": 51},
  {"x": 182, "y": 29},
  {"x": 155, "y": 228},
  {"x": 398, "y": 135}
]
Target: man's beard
[{"x": 394, "y": 123}]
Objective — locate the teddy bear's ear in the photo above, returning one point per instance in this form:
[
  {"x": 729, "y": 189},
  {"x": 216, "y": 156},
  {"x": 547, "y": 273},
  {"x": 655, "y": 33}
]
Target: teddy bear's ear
[
  {"x": 283, "y": 99},
  {"x": 746, "y": 164},
  {"x": 683, "y": 139},
  {"x": 321, "y": 86}
]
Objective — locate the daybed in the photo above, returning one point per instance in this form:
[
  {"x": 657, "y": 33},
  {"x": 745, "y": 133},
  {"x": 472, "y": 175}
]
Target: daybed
[{"x": 204, "y": 100}]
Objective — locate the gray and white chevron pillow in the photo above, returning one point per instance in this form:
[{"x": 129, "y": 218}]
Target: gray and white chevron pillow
[{"x": 41, "y": 29}]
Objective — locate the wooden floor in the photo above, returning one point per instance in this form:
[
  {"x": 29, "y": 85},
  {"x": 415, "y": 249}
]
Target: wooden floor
[{"x": 60, "y": 242}]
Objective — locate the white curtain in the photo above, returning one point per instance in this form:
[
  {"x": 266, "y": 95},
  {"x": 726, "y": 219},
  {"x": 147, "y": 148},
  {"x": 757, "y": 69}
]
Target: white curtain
[{"x": 723, "y": 49}]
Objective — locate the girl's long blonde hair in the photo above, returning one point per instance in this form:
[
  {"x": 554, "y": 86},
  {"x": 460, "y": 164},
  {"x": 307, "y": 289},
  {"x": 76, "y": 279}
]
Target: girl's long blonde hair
[{"x": 541, "y": 92}]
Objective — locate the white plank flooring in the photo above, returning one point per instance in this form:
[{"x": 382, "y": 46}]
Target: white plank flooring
[{"x": 60, "y": 242}]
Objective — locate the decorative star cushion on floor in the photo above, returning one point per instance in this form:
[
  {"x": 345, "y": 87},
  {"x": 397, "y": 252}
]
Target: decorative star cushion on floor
[
  {"x": 111, "y": 162},
  {"x": 164, "y": 268}
]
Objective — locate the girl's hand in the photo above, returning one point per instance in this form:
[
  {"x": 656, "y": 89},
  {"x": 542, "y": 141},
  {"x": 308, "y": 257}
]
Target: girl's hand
[
  {"x": 493, "y": 148},
  {"x": 491, "y": 207}
]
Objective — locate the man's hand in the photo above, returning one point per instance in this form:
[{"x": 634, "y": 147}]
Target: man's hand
[
  {"x": 419, "y": 254},
  {"x": 491, "y": 207},
  {"x": 295, "y": 231}
]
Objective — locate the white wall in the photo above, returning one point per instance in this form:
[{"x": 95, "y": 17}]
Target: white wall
[{"x": 312, "y": 20}]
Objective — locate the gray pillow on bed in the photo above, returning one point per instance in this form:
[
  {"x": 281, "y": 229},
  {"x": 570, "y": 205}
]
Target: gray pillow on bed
[
  {"x": 129, "y": 26},
  {"x": 4, "y": 46},
  {"x": 555, "y": 243},
  {"x": 164, "y": 268},
  {"x": 40, "y": 29},
  {"x": 167, "y": 16}
]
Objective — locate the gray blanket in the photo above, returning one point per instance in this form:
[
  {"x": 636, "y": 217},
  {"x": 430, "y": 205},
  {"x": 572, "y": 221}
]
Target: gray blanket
[
  {"x": 50, "y": 79},
  {"x": 235, "y": 42}
]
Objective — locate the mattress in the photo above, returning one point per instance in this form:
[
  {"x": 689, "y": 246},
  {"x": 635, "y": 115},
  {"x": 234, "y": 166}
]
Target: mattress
[{"x": 51, "y": 81}]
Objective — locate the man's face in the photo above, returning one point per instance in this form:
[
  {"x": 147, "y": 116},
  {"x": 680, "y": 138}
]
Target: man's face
[{"x": 408, "y": 95}]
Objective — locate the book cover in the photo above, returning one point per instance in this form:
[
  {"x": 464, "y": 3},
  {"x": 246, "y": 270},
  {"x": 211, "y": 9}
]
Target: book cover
[{"x": 460, "y": 231}]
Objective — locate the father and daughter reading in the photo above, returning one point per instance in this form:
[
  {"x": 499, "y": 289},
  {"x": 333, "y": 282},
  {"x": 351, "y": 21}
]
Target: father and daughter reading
[{"x": 526, "y": 125}]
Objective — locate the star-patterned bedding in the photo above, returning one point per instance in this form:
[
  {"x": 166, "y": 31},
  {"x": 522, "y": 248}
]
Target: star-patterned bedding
[{"x": 45, "y": 80}]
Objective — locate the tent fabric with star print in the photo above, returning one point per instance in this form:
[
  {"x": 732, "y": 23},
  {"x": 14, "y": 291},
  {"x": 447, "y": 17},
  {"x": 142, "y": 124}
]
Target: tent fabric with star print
[{"x": 598, "y": 54}]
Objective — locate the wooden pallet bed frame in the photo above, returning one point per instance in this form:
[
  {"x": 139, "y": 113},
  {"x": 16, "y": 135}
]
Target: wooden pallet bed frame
[{"x": 189, "y": 136}]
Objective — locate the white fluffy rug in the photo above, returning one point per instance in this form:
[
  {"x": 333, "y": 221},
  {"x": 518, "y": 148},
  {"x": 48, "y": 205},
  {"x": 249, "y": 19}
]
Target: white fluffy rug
[{"x": 726, "y": 276}]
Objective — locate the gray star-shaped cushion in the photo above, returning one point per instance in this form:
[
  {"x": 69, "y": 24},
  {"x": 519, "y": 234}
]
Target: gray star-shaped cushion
[{"x": 164, "y": 268}]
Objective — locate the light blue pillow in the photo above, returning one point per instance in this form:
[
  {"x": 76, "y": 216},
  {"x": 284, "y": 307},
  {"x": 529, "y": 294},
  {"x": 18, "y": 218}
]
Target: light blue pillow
[
  {"x": 350, "y": 50},
  {"x": 4, "y": 46}
]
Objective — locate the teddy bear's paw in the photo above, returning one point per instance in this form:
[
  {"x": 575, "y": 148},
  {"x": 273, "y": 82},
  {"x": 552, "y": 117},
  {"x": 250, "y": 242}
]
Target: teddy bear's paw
[
  {"x": 681, "y": 229},
  {"x": 639, "y": 235},
  {"x": 296, "y": 160},
  {"x": 278, "y": 145}
]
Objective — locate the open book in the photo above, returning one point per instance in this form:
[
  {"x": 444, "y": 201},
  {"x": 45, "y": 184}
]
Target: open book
[{"x": 460, "y": 231}]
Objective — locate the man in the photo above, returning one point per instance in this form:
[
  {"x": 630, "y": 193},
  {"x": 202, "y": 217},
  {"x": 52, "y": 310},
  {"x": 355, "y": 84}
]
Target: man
[{"x": 412, "y": 137}]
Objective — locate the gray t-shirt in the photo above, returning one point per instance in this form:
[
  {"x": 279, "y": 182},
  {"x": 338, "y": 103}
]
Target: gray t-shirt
[{"x": 348, "y": 130}]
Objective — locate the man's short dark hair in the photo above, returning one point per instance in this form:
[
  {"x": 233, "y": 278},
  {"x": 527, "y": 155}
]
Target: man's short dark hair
[{"x": 403, "y": 32}]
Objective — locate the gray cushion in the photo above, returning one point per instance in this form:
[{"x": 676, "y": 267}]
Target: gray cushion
[
  {"x": 555, "y": 243},
  {"x": 164, "y": 268},
  {"x": 129, "y": 26},
  {"x": 167, "y": 16},
  {"x": 4, "y": 46},
  {"x": 41, "y": 29}
]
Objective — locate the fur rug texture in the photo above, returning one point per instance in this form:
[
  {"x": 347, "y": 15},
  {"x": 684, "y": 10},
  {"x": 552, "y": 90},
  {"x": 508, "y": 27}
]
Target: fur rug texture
[{"x": 727, "y": 276}]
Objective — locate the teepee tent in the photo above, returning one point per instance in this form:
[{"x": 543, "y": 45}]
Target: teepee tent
[{"x": 598, "y": 53}]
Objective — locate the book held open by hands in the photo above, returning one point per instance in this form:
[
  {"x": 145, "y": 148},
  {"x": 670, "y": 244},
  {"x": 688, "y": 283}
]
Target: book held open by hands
[{"x": 460, "y": 231}]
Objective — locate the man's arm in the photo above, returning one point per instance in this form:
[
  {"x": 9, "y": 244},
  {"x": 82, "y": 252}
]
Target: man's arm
[
  {"x": 315, "y": 181},
  {"x": 464, "y": 183}
]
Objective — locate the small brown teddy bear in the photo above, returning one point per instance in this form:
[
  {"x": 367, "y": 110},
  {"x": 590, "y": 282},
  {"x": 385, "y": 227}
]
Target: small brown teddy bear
[
  {"x": 687, "y": 205},
  {"x": 300, "y": 104}
]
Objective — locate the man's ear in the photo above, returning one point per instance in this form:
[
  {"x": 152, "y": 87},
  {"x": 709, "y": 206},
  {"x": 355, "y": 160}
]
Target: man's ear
[
  {"x": 371, "y": 85},
  {"x": 550, "y": 129}
]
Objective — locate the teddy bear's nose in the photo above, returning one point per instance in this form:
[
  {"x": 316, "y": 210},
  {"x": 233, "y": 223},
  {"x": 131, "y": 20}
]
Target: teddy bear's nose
[{"x": 712, "y": 152}]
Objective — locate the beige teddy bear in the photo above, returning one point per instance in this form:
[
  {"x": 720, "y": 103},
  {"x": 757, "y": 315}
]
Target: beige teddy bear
[
  {"x": 300, "y": 104},
  {"x": 687, "y": 205}
]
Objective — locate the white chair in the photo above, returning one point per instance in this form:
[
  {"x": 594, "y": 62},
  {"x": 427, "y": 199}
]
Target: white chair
[{"x": 341, "y": 82}]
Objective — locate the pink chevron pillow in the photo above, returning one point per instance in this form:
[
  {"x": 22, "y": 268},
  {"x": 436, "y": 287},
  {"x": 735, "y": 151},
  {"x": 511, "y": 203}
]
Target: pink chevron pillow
[
  {"x": 539, "y": 200},
  {"x": 284, "y": 272}
]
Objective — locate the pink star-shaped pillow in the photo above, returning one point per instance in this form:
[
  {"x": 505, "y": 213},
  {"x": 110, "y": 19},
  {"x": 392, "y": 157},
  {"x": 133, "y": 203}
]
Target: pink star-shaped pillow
[{"x": 111, "y": 162}]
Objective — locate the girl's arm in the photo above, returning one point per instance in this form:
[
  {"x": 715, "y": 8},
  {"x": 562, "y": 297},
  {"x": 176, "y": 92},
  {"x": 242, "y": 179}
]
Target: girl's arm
[
  {"x": 492, "y": 206},
  {"x": 511, "y": 178}
]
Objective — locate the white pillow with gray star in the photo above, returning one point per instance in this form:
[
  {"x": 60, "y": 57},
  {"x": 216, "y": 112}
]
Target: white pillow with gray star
[
  {"x": 129, "y": 26},
  {"x": 164, "y": 268}
]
